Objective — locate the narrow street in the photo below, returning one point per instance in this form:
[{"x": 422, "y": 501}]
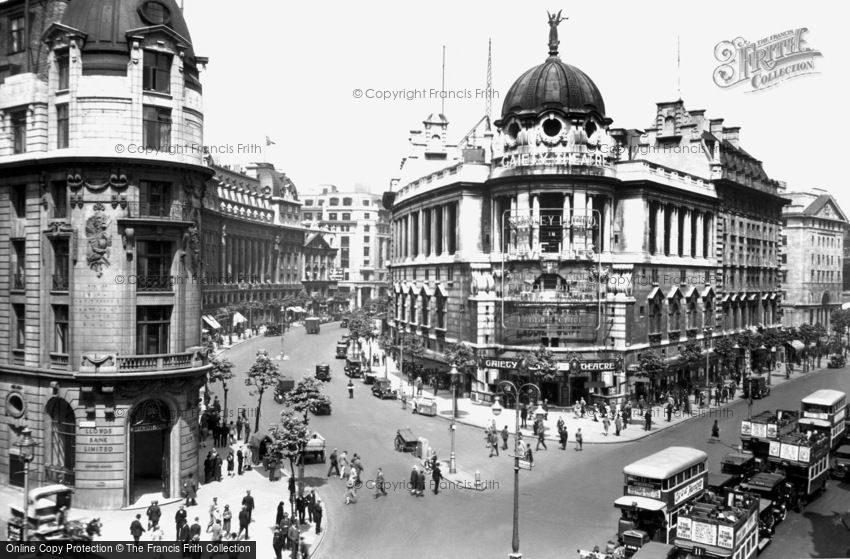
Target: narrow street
[{"x": 563, "y": 484}]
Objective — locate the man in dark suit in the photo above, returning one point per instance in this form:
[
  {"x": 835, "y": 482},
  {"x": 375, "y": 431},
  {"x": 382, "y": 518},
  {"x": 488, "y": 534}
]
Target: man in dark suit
[
  {"x": 136, "y": 528},
  {"x": 179, "y": 521},
  {"x": 184, "y": 535},
  {"x": 436, "y": 477},
  {"x": 301, "y": 508},
  {"x": 248, "y": 503},
  {"x": 317, "y": 515},
  {"x": 154, "y": 514},
  {"x": 244, "y": 521},
  {"x": 240, "y": 458},
  {"x": 217, "y": 467},
  {"x": 195, "y": 530},
  {"x": 311, "y": 504}
]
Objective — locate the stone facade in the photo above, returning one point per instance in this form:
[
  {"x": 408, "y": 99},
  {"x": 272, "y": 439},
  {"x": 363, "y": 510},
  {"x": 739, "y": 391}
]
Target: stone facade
[
  {"x": 812, "y": 258},
  {"x": 100, "y": 249}
]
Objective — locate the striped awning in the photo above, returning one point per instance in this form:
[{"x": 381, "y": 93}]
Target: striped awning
[
  {"x": 796, "y": 344},
  {"x": 211, "y": 322}
]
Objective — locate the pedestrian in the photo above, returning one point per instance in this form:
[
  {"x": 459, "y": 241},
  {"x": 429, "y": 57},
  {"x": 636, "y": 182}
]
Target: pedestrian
[
  {"x": 217, "y": 466},
  {"x": 239, "y": 424},
  {"x": 248, "y": 503},
  {"x": 277, "y": 543},
  {"x": 208, "y": 467},
  {"x": 529, "y": 456},
  {"x": 317, "y": 515},
  {"x": 583, "y": 405},
  {"x": 647, "y": 420},
  {"x": 190, "y": 490},
  {"x": 493, "y": 440},
  {"x": 157, "y": 533},
  {"x": 505, "y": 438},
  {"x": 281, "y": 512},
  {"x": 560, "y": 424},
  {"x": 230, "y": 464},
  {"x": 244, "y": 521},
  {"x": 226, "y": 517},
  {"x": 154, "y": 514},
  {"x": 304, "y": 549},
  {"x": 247, "y": 433},
  {"x": 333, "y": 461},
  {"x": 343, "y": 463},
  {"x": 403, "y": 398},
  {"x": 627, "y": 415},
  {"x": 179, "y": 520},
  {"x": 579, "y": 439},
  {"x": 716, "y": 396},
  {"x": 541, "y": 437},
  {"x": 216, "y": 530},
  {"x": 195, "y": 530},
  {"x": 545, "y": 409},
  {"x": 350, "y": 389},
  {"x": 618, "y": 425},
  {"x": 350, "y": 493},
  {"x": 724, "y": 395},
  {"x": 715, "y": 431},
  {"x": 523, "y": 415},
  {"x": 414, "y": 478},
  {"x": 419, "y": 386},
  {"x": 301, "y": 508},
  {"x": 184, "y": 533},
  {"x": 562, "y": 436},
  {"x": 240, "y": 459},
  {"x": 606, "y": 424},
  {"x": 669, "y": 412},
  {"x": 311, "y": 504},
  {"x": 213, "y": 512},
  {"x": 293, "y": 535},
  {"x": 379, "y": 484},
  {"x": 420, "y": 482},
  {"x": 436, "y": 477},
  {"x": 136, "y": 528}
]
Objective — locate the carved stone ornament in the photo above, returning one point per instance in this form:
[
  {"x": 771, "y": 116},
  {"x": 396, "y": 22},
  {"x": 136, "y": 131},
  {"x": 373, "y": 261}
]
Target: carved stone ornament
[
  {"x": 99, "y": 241},
  {"x": 116, "y": 181},
  {"x": 94, "y": 363},
  {"x": 58, "y": 229}
]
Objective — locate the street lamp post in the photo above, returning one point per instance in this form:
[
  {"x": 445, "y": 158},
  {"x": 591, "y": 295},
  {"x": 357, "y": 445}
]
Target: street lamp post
[
  {"x": 707, "y": 351},
  {"x": 26, "y": 446},
  {"x": 497, "y": 409},
  {"x": 454, "y": 374}
]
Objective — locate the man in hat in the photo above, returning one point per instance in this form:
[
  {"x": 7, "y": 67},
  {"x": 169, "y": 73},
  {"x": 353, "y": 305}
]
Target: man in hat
[
  {"x": 414, "y": 478},
  {"x": 154, "y": 514},
  {"x": 318, "y": 511}
]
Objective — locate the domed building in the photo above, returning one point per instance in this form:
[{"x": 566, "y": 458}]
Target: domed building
[
  {"x": 598, "y": 243},
  {"x": 102, "y": 181}
]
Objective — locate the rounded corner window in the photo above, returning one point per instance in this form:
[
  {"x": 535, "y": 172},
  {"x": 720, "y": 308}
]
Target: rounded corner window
[
  {"x": 15, "y": 405},
  {"x": 552, "y": 127},
  {"x": 155, "y": 13},
  {"x": 589, "y": 128},
  {"x": 513, "y": 130}
]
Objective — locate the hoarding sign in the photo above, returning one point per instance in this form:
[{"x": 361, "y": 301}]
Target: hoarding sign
[
  {"x": 759, "y": 430},
  {"x": 726, "y": 537},
  {"x": 688, "y": 491},
  {"x": 704, "y": 533},
  {"x": 683, "y": 528},
  {"x": 789, "y": 452}
]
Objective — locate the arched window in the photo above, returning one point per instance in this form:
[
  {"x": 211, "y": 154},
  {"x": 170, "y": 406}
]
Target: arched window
[
  {"x": 675, "y": 314},
  {"x": 334, "y": 202},
  {"x": 61, "y": 441},
  {"x": 440, "y": 313},
  {"x": 692, "y": 311},
  {"x": 412, "y": 308},
  {"x": 708, "y": 312},
  {"x": 654, "y": 314},
  {"x": 424, "y": 316}
]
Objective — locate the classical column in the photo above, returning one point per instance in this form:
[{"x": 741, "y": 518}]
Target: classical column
[
  {"x": 659, "y": 229},
  {"x": 445, "y": 209},
  {"x": 605, "y": 229},
  {"x": 579, "y": 209},
  {"x": 513, "y": 241},
  {"x": 699, "y": 240},
  {"x": 566, "y": 222},
  {"x": 686, "y": 232},
  {"x": 535, "y": 223},
  {"x": 421, "y": 233},
  {"x": 674, "y": 231},
  {"x": 589, "y": 220},
  {"x": 432, "y": 234},
  {"x": 496, "y": 224},
  {"x": 710, "y": 236}
]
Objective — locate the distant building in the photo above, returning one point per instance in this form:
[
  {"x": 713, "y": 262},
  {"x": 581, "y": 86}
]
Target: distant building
[
  {"x": 813, "y": 257},
  {"x": 361, "y": 227},
  {"x": 100, "y": 247},
  {"x": 253, "y": 242}
]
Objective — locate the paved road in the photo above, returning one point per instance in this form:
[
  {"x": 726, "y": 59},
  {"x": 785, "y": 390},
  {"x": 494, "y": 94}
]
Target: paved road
[{"x": 565, "y": 502}]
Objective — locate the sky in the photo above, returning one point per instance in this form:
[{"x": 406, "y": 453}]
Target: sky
[{"x": 289, "y": 71}]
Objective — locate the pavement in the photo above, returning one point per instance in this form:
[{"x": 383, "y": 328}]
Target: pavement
[{"x": 481, "y": 415}]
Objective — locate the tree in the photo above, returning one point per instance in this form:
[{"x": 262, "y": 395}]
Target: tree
[
  {"x": 462, "y": 357},
  {"x": 305, "y": 393},
  {"x": 840, "y": 322},
  {"x": 539, "y": 363},
  {"x": 289, "y": 437},
  {"x": 362, "y": 327},
  {"x": 692, "y": 354},
  {"x": 727, "y": 354},
  {"x": 412, "y": 346},
  {"x": 262, "y": 375},
  {"x": 651, "y": 365},
  {"x": 222, "y": 371}
]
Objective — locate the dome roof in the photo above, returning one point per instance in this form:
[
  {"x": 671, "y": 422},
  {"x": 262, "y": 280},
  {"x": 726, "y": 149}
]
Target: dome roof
[
  {"x": 106, "y": 23},
  {"x": 553, "y": 84}
]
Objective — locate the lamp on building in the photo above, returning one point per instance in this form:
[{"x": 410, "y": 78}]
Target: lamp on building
[
  {"x": 26, "y": 451},
  {"x": 454, "y": 377}
]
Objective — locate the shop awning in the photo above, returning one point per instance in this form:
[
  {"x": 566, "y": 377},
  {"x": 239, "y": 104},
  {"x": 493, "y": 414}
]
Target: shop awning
[
  {"x": 752, "y": 296},
  {"x": 796, "y": 344},
  {"x": 295, "y": 309},
  {"x": 211, "y": 322},
  {"x": 238, "y": 318},
  {"x": 645, "y": 503}
]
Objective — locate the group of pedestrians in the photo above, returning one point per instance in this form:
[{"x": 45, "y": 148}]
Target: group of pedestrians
[
  {"x": 307, "y": 508},
  {"x": 237, "y": 462},
  {"x": 348, "y": 470}
]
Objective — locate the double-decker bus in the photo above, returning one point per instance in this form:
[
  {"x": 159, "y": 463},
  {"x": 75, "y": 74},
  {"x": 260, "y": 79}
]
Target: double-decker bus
[
  {"x": 720, "y": 526},
  {"x": 759, "y": 430},
  {"x": 825, "y": 410},
  {"x": 804, "y": 460},
  {"x": 656, "y": 488}
]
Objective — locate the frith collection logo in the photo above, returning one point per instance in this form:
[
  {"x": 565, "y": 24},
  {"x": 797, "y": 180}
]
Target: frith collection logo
[{"x": 766, "y": 62}]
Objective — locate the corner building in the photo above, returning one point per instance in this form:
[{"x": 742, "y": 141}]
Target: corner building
[
  {"x": 601, "y": 243},
  {"x": 100, "y": 220}
]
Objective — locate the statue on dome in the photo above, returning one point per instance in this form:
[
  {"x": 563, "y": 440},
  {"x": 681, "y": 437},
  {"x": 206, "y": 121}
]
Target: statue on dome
[{"x": 554, "y": 20}]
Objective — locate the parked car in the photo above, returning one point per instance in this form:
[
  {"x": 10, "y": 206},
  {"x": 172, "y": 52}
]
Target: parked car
[
  {"x": 312, "y": 325},
  {"x": 836, "y": 361},
  {"x": 341, "y": 349},
  {"x": 756, "y": 386},
  {"x": 840, "y": 463},
  {"x": 323, "y": 372},
  {"x": 344, "y": 323},
  {"x": 273, "y": 330},
  {"x": 322, "y": 406},
  {"x": 353, "y": 368},
  {"x": 284, "y": 385},
  {"x": 315, "y": 449},
  {"x": 383, "y": 389}
]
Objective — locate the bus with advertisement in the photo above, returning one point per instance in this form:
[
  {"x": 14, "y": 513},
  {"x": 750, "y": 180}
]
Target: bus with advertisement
[
  {"x": 803, "y": 458},
  {"x": 826, "y": 411},
  {"x": 759, "y": 430},
  {"x": 656, "y": 489},
  {"x": 720, "y": 526}
]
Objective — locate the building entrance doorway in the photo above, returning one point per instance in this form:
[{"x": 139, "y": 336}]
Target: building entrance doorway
[{"x": 150, "y": 452}]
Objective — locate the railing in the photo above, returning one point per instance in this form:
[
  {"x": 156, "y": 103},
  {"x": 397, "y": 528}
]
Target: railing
[
  {"x": 154, "y": 283},
  {"x": 59, "y": 361},
  {"x": 159, "y": 362},
  {"x": 18, "y": 281},
  {"x": 170, "y": 211},
  {"x": 60, "y": 282}
]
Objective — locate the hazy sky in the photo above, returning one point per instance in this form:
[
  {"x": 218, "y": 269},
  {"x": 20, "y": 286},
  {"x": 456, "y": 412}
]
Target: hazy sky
[{"x": 288, "y": 70}]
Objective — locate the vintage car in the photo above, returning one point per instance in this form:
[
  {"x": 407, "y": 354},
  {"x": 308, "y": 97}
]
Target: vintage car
[
  {"x": 776, "y": 494},
  {"x": 341, "y": 349},
  {"x": 45, "y": 507},
  {"x": 343, "y": 323},
  {"x": 322, "y": 406},
  {"x": 383, "y": 389},
  {"x": 425, "y": 405},
  {"x": 284, "y": 385},
  {"x": 756, "y": 386},
  {"x": 836, "y": 361},
  {"x": 353, "y": 368},
  {"x": 273, "y": 330},
  {"x": 323, "y": 372},
  {"x": 369, "y": 377},
  {"x": 315, "y": 449},
  {"x": 840, "y": 463}
]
